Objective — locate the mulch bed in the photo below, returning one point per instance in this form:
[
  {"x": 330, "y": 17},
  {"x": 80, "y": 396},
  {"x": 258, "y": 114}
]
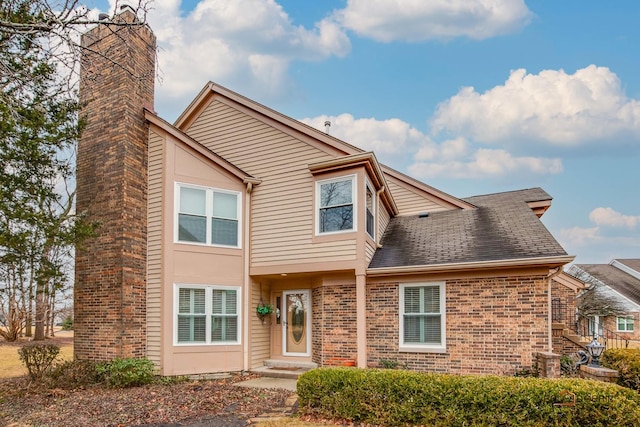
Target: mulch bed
[
  {"x": 210, "y": 402},
  {"x": 193, "y": 403}
]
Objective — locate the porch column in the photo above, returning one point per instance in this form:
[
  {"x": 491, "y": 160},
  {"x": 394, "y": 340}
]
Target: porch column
[{"x": 361, "y": 323}]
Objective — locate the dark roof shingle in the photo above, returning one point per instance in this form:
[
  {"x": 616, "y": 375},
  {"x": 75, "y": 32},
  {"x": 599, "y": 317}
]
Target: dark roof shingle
[
  {"x": 502, "y": 227},
  {"x": 615, "y": 278}
]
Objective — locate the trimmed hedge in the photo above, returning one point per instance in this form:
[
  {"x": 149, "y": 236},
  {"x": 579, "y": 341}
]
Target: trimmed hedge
[
  {"x": 399, "y": 398},
  {"x": 627, "y": 362}
]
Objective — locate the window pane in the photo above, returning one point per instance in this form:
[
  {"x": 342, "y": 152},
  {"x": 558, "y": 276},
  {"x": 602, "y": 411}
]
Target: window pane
[
  {"x": 335, "y": 219},
  {"x": 422, "y": 299},
  {"x": 191, "y": 301},
  {"x": 422, "y": 329},
  {"x": 224, "y": 328},
  {"x": 225, "y": 205},
  {"x": 224, "y": 301},
  {"x": 224, "y": 232},
  {"x": 192, "y": 228},
  {"x": 191, "y": 328},
  {"x": 335, "y": 193},
  {"x": 192, "y": 201}
]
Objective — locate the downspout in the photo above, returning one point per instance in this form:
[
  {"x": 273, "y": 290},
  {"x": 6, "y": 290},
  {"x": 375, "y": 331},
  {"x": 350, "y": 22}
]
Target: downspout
[
  {"x": 552, "y": 273},
  {"x": 247, "y": 283}
]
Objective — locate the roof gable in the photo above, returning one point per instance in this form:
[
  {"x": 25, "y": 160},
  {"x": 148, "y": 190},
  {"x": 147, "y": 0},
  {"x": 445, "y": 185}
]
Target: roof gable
[{"x": 195, "y": 146}]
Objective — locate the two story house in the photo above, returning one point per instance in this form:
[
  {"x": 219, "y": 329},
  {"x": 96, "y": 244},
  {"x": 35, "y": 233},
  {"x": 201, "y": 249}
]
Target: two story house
[{"x": 236, "y": 205}]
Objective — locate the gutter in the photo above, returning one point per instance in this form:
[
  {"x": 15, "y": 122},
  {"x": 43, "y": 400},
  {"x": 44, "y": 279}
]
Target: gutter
[{"x": 555, "y": 261}]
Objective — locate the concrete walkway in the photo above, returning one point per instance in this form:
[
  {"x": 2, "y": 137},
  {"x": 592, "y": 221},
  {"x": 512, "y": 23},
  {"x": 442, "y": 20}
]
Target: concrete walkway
[{"x": 267, "y": 382}]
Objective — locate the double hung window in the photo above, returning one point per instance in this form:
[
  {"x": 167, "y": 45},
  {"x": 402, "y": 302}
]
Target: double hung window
[
  {"x": 207, "y": 315},
  {"x": 335, "y": 204},
  {"x": 422, "y": 317},
  {"x": 208, "y": 216},
  {"x": 625, "y": 324}
]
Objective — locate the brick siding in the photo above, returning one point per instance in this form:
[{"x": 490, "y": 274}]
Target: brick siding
[
  {"x": 494, "y": 326},
  {"x": 109, "y": 300},
  {"x": 334, "y": 320}
]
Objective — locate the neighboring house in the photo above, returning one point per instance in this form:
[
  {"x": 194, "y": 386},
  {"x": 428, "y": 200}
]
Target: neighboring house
[
  {"x": 235, "y": 205},
  {"x": 614, "y": 286}
]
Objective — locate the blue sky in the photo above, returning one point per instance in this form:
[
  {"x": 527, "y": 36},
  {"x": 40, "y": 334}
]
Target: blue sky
[{"x": 469, "y": 96}]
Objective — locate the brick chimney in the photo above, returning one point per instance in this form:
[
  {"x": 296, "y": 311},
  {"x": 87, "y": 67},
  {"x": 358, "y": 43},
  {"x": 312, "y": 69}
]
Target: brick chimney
[{"x": 116, "y": 82}]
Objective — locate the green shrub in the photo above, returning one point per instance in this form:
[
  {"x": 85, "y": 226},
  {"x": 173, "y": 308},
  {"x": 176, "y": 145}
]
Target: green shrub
[
  {"x": 627, "y": 362},
  {"x": 129, "y": 372},
  {"x": 398, "y": 398},
  {"x": 73, "y": 374},
  {"x": 38, "y": 358},
  {"x": 67, "y": 324}
]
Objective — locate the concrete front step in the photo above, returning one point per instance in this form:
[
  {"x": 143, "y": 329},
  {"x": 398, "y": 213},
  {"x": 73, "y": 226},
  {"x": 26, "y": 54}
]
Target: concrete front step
[{"x": 284, "y": 368}]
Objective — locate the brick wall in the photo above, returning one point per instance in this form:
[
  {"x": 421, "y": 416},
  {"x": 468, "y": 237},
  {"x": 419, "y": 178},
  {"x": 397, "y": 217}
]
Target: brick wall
[
  {"x": 117, "y": 78},
  {"x": 494, "y": 326},
  {"x": 334, "y": 320}
]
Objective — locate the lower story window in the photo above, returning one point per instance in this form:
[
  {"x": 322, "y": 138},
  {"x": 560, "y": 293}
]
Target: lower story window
[
  {"x": 625, "y": 324},
  {"x": 422, "y": 317},
  {"x": 207, "y": 315}
]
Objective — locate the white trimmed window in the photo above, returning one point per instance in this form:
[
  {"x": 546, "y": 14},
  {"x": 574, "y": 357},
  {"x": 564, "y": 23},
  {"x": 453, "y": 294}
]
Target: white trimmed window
[
  {"x": 207, "y": 314},
  {"x": 625, "y": 324},
  {"x": 207, "y": 216},
  {"x": 335, "y": 205},
  {"x": 422, "y": 317},
  {"x": 370, "y": 202}
]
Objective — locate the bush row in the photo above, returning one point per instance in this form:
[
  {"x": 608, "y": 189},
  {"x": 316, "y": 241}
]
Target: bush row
[
  {"x": 627, "y": 362},
  {"x": 40, "y": 361},
  {"x": 398, "y": 398}
]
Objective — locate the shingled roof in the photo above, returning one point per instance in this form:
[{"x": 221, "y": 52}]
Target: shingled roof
[
  {"x": 615, "y": 278},
  {"x": 501, "y": 227}
]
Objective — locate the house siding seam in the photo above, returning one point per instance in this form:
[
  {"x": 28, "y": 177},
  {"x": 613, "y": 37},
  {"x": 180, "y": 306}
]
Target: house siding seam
[
  {"x": 409, "y": 202},
  {"x": 494, "y": 326},
  {"x": 260, "y": 332},
  {"x": 154, "y": 250}
]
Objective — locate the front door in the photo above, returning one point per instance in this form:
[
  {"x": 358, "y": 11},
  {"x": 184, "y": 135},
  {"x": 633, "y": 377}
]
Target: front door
[{"x": 296, "y": 323}]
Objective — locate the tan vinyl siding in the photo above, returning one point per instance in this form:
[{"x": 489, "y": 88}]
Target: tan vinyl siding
[
  {"x": 282, "y": 205},
  {"x": 369, "y": 251},
  {"x": 411, "y": 201},
  {"x": 383, "y": 222},
  {"x": 154, "y": 249},
  {"x": 260, "y": 337}
]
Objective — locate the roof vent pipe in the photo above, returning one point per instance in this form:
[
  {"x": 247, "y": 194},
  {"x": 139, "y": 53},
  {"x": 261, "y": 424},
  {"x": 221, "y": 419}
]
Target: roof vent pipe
[
  {"x": 423, "y": 215},
  {"x": 103, "y": 17},
  {"x": 327, "y": 126}
]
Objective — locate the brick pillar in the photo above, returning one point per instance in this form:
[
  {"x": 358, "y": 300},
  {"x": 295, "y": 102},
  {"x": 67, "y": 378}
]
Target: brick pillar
[
  {"x": 116, "y": 82},
  {"x": 548, "y": 365}
]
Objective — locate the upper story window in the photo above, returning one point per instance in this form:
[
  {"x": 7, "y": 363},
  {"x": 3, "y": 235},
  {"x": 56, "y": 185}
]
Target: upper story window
[
  {"x": 335, "y": 205},
  {"x": 208, "y": 216},
  {"x": 371, "y": 209},
  {"x": 422, "y": 317}
]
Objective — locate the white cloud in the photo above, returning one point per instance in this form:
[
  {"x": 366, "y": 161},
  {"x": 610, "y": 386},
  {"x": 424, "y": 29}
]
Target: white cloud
[
  {"x": 611, "y": 218},
  {"x": 579, "y": 236},
  {"x": 418, "y": 20},
  {"x": 479, "y": 164},
  {"x": 552, "y": 107},
  {"x": 456, "y": 158},
  {"x": 238, "y": 43},
  {"x": 385, "y": 137}
]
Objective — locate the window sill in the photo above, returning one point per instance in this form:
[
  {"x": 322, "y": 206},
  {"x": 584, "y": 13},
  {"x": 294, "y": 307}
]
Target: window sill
[{"x": 421, "y": 349}]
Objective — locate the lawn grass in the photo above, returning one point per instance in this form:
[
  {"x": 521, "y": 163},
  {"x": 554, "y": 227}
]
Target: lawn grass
[{"x": 11, "y": 366}]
